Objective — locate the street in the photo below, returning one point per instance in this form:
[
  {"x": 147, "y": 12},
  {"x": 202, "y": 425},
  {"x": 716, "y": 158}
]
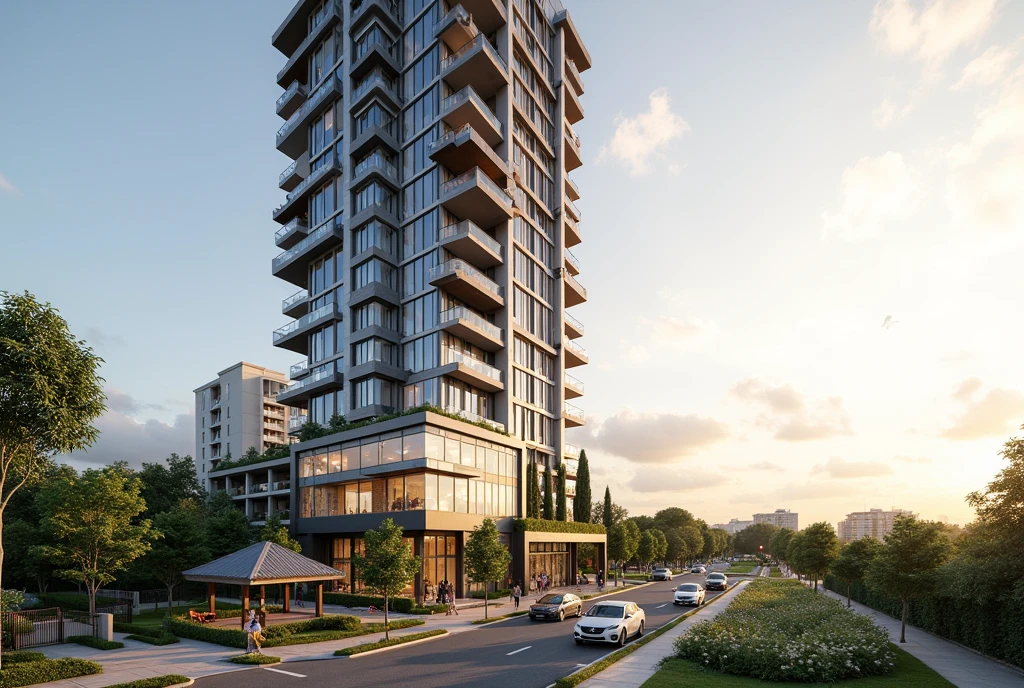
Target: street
[{"x": 540, "y": 652}]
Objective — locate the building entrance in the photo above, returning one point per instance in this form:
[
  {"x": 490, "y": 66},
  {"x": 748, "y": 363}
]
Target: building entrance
[{"x": 551, "y": 558}]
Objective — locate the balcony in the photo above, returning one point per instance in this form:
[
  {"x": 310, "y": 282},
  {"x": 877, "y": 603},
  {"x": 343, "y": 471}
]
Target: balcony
[
  {"x": 292, "y": 99},
  {"x": 293, "y": 335},
  {"x": 573, "y": 211},
  {"x": 215, "y": 421},
  {"x": 293, "y": 175},
  {"x": 572, "y": 231},
  {"x": 572, "y": 263},
  {"x": 572, "y": 467},
  {"x": 575, "y": 355},
  {"x": 474, "y": 196},
  {"x": 488, "y": 15},
  {"x": 474, "y": 417},
  {"x": 571, "y": 190},
  {"x": 374, "y": 136},
  {"x": 573, "y": 106},
  {"x": 456, "y": 28},
  {"x": 291, "y": 234},
  {"x": 575, "y": 293},
  {"x": 292, "y": 265},
  {"x": 375, "y": 165},
  {"x": 259, "y": 488},
  {"x": 573, "y": 158},
  {"x": 236, "y": 491},
  {"x": 572, "y": 75},
  {"x": 466, "y": 283},
  {"x": 573, "y": 327},
  {"x": 573, "y": 415},
  {"x": 272, "y": 411},
  {"x": 464, "y": 149},
  {"x": 293, "y": 134},
  {"x": 280, "y": 485},
  {"x": 573, "y": 387},
  {"x": 296, "y": 305},
  {"x": 376, "y": 84},
  {"x": 299, "y": 370},
  {"x": 297, "y": 64},
  {"x": 386, "y": 10},
  {"x": 478, "y": 64},
  {"x": 377, "y": 51},
  {"x": 295, "y": 423},
  {"x": 316, "y": 383},
  {"x": 571, "y": 451},
  {"x": 467, "y": 107},
  {"x": 295, "y": 202},
  {"x": 466, "y": 240},
  {"x": 471, "y": 371},
  {"x": 464, "y": 323},
  {"x": 214, "y": 403},
  {"x": 574, "y": 48},
  {"x": 291, "y": 32}
]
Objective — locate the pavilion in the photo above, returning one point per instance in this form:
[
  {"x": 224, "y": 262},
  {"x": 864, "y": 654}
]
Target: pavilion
[{"x": 263, "y": 564}]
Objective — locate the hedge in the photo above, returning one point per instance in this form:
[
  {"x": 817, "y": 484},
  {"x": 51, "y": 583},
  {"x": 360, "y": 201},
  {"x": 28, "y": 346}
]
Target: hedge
[
  {"x": 993, "y": 628},
  {"x": 46, "y": 670},
  {"x": 400, "y": 640},
  {"x": 229, "y": 637},
  {"x": 18, "y": 656},
  {"x": 155, "y": 682},
  {"x": 429, "y": 609},
  {"x": 71, "y": 600},
  {"x": 162, "y": 639},
  {"x": 20, "y": 626},
  {"x": 540, "y": 525},
  {"x": 396, "y": 604},
  {"x": 255, "y": 658},
  {"x": 237, "y": 613},
  {"x": 333, "y": 627},
  {"x": 96, "y": 643},
  {"x": 137, "y": 629}
]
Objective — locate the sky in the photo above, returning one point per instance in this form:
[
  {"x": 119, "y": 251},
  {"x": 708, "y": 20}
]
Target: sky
[{"x": 803, "y": 226}]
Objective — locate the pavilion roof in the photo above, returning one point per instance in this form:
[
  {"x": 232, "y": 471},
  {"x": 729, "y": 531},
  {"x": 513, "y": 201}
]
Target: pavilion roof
[{"x": 265, "y": 563}]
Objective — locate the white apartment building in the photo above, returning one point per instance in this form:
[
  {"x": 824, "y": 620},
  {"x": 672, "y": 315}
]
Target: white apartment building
[
  {"x": 733, "y": 526},
  {"x": 874, "y": 523},
  {"x": 780, "y": 518}
]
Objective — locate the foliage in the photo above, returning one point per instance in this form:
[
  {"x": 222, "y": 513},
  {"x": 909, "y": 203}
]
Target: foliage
[
  {"x": 814, "y": 549},
  {"x": 164, "y": 487},
  {"x": 533, "y": 491},
  {"x": 779, "y": 544},
  {"x": 549, "y": 494},
  {"x": 227, "y": 528},
  {"x": 753, "y": 536},
  {"x": 11, "y": 600},
  {"x": 154, "y": 682},
  {"x": 368, "y": 647},
  {"x": 273, "y": 531},
  {"x": 70, "y": 600},
  {"x": 19, "y": 656},
  {"x": 228, "y": 637},
  {"x": 782, "y": 631},
  {"x": 526, "y": 525},
  {"x": 510, "y": 615},
  {"x": 255, "y": 658},
  {"x": 312, "y": 431},
  {"x": 581, "y": 507},
  {"x": 429, "y": 609},
  {"x": 183, "y": 545},
  {"x": 404, "y": 605},
  {"x": 607, "y": 514},
  {"x": 561, "y": 507},
  {"x": 95, "y": 643},
  {"x": 486, "y": 558},
  {"x": 162, "y": 639},
  {"x": 623, "y": 541},
  {"x": 137, "y": 629},
  {"x": 90, "y": 523},
  {"x": 252, "y": 455},
  {"x": 660, "y": 545},
  {"x": 46, "y": 670},
  {"x": 646, "y": 547},
  {"x": 854, "y": 559},
  {"x": 387, "y": 565}
]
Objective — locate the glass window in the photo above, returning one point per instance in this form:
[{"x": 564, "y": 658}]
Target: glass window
[
  {"x": 468, "y": 454},
  {"x": 445, "y": 492},
  {"x": 413, "y": 446},
  {"x": 351, "y": 498},
  {"x": 365, "y": 497},
  {"x": 306, "y": 466},
  {"x": 396, "y": 494},
  {"x": 434, "y": 447},
  {"x": 452, "y": 450},
  {"x": 320, "y": 465},
  {"x": 462, "y": 495},
  {"x": 369, "y": 455},
  {"x": 492, "y": 461},
  {"x": 350, "y": 458},
  {"x": 391, "y": 450},
  {"x": 430, "y": 490},
  {"x": 415, "y": 496},
  {"x": 334, "y": 463}
]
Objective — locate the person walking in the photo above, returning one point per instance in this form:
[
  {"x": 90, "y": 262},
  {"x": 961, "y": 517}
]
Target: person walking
[
  {"x": 516, "y": 593},
  {"x": 298, "y": 595},
  {"x": 600, "y": 580},
  {"x": 544, "y": 582},
  {"x": 253, "y": 635},
  {"x": 452, "y": 609},
  {"x": 428, "y": 592}
]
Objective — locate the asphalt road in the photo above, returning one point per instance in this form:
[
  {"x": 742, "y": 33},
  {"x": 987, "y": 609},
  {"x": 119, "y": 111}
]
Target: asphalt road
[{"x": 517, "y": 653}]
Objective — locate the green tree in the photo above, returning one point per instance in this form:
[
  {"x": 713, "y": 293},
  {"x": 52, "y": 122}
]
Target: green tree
[
  {"x": 388, "y": 564},
  {"x": 227, "y": 528},
  {"x": 487, "y": 559},
  {"x": 182, "y": 546},
  {"x": 607, "y": 514},
  {"x": 90, "y": 524},
  {"x": 853, "y": 562},
  {"x": 164, "y": 486},
  {"x": 50, "y": 393},
  {"x": 661, "y": 547},
  {"x": 581, "y": 507},
  {"x": 311, "y": 431},
  {"x": 643, "y": 522},
  {"x": 533, "y": 501},
  {"x": 780, "y": 543},
  {"x": 273, "y": 531},
  {"x": 694, "y": 540},
  {"x": 623, "y": 541},
  {"x": 549, "y": 495},
  {"x": 906, "y": 566},
  {"x": 337, "y": 424},
  {"x": 675, "y": 547},
  {"x": 707, "y": 549},
  {"x": 560, "y": 499},
  {"x": 819, "y": 548},
  {"x": 646, "y": 548},
  {"x": 597, "y": 511},
  {"x": 748, "y": 540}
]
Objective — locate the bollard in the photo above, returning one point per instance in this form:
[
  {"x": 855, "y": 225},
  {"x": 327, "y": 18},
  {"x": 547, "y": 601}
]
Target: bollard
[{"x": 105, "y": 626}]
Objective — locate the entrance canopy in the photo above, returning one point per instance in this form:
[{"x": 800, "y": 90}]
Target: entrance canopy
[{"x": 264, "y": 563}]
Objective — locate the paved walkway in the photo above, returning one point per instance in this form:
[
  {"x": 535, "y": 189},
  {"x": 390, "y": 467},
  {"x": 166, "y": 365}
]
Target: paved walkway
[
  {"x": 636, "y": 668},
  {"x": 958, "y": 665}
]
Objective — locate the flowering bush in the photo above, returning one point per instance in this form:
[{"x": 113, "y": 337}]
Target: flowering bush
[{"x": 783, "y": 631}]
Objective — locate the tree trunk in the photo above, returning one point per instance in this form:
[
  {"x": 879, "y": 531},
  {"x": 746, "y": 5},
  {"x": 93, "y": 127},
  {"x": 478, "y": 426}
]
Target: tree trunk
[
  {"x": 91, "y": 589},
  {"x": 903, "y": 624},
  {"x": 387, "y": 627},
  {"x": 848, "y": 605},
  {"x": 170, "y": 591},
  {"x": 485, "y": 600},
  {"x": 1, "y": 570}
]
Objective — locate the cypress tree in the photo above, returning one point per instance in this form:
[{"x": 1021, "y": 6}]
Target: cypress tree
[
  {"x": 529, "y": 491},
  {"x": 608, "y": 509},
  {"x": 533, "y": 504},
  {"x": 581, "y": 505},
  {"x": 549, "y": 494},
  {"x": 560, "y": 503}
]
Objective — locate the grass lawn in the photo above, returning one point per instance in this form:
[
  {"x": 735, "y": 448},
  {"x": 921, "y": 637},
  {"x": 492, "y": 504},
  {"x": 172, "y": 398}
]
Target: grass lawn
[
  {"x": 775, "y": 573},
  {"x": 155, "y": 617},
  {"x": 910, "y": 673},
  {"x": 741, "y": 568}
]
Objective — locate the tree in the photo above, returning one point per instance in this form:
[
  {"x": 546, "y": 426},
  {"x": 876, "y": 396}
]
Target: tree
[
  {"x": 906, "y": 566},
  {"x": 642, "y": 522},
  {"x": 597, "y": 512},
  {"x": 694, "y": 540},
  {"x": 50, "y": 393},
  {"x": 780, "y": 543},
  {"x": 533, "y": 502},
  {"x": 707, "y": 549},
  {"x": 549, "y": 495},
  {"x": 748, "y": 540},
  {"x": 623, "y": 541},
  {"x": 607, "y": 513},
  {"x": 560, "y": 500},
  {"x": 90, "y": 521},
  {"x": 581, "y": 507},
  {"x": 646, "y": 548},
  {"x": 227, "y": 528},
  {"x": 661, "y": 546},
  {"x": 182, "y": 546},
  {"x": 311, "y": 431},
  {"x": 163, "y": 487},
  {"x": 853, "y": 562},
  {"x": 273, "y": 531},
  {"x": 675, "y": 547},
  {"x": 819, "y": 547},
  {"x": 487, "y": 559},
  {"x": 387, "y": 566}
]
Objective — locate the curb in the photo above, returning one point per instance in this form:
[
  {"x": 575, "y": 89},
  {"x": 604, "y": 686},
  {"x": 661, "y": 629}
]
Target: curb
[
  {"x": 396, "y": 646},
  {"x": 183, "y": 685}
]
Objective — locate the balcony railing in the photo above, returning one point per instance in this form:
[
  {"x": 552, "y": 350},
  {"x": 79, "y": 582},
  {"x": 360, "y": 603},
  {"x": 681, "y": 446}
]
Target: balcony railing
[
  {"x": 312, "y": 379},
  {"x": 307, "y": 107},
  {"x": 478, "y": 278},
  {"x": 571, "y": 64},
  {"x": 462, "y": 313},
  {"x": 296, "y": 298},
  {"x": 573, "y": 321},
  {"x": 574, "y": 208},
  {"x": 236, "y": 491},
  {"x": 571, "y": 451},
  {"x": 573, "y": 260},
  {"x": 300, "y": 248},
  {"x": 469, "y": 227},
  {"x": 281, "y": 485},
  {"x": 377, "y": 76},
  {"x": 572, "y": 134},
  {"x": 282, "y": 332},
  {"x": 454, "y": 356},
  {"x": 288, "y": 171},
  {"x": 376, "y": 162},
  {"x": 573, "y": 382},
  {"x": 293, "y": 225},
  {"x": 473, "y": 417},
  {"x": 570, "y": 183},
  {"x": 298, "y": 370},
  {"x": 468, "y": 94},
  {"x": 466, "y": 177},
  {"x": 294, "y": 89},
  {"x": 389, "y": 6},
  {"x": 570, "y": 278},
  {"x": 573, "y": 346},
  {"x": 459, "y": 13},
  {"x": 296, "y": 422},
  {"x": 214, "y": 403},
  {"x": 571, "y": 410},
  {"x": 454, "y": 57},
  {"x": 258, "y": 488},
  {"x": 332, "y": 162}
]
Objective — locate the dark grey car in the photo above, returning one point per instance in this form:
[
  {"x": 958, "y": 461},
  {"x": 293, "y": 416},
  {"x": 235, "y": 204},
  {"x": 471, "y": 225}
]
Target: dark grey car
[{"x": 556, "y": 607}]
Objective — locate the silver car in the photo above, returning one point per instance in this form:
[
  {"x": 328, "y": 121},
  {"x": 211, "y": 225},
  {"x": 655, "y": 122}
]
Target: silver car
[
  {"x": 610, "y": 622},
  {"x": 556, "y": 607},
  {"x": 689, "y": 593}
]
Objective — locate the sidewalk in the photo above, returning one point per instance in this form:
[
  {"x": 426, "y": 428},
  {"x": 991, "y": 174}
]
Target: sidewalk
[
  {"x": 636, "y": 668},
  {"x": 956, "y": 664}
]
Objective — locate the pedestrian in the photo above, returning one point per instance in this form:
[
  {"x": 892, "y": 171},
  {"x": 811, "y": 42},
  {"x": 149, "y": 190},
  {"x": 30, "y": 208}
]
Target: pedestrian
[
  {"x": 428, "y": 592},
  {"x": 298, "y": 595},
  {"x": 600, "y": 580},
  {"x": 509, "y": 589},
  {"x": 544, "y": 581},
  {"x": 516, "y": 593},
  {"x": 253, "y": 635},
  {"x": 451, "y": 600}
]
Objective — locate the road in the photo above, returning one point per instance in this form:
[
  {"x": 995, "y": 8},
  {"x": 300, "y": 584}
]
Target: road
[{"x": 517, "y": 653}]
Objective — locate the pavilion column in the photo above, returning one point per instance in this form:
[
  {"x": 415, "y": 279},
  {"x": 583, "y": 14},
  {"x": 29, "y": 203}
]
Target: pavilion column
[
  {"x": 211, "y": 593},
  {"x": 319, "y": 599},
  {"x": 263, "y": 597},
  {"x": 287, "y": 598},
  {"x": 245, "y": 605}
]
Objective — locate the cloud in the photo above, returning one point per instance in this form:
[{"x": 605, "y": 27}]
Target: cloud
[
  {"x": 888, "y": 112},
  {"x": 125, "y": 404},
  {"x": 840, "y": 468},
  {"x": 122, "y": 438},
  {"x": 765, "y": 466},
  {"x": 790, "y": 415},
  {"x": 8, "y": 187},
  {"x": 872, "y": 192},
  {"x": 99, "y": 339},
  {"x": 673, "y": 480},
  {"x": 637, "y": 140},
  {"x": 657, "y": 438},
  {"x": 914, "y": 459},
  {"x": 987, "y": 68},
  {"x": 998, "y": 413},
  {"x": 794, "y": 492},
  {"x": 933, "y": 32},
  {"x": 635, "y": 353},
  {"x": 666, "y": 331}
]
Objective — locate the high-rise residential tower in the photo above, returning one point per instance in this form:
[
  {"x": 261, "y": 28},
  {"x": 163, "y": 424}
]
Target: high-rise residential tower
[
  {"x": 876, "y": 523},
  {"x": 780, "y": 518},
  {"x": 427, "y": 227}
]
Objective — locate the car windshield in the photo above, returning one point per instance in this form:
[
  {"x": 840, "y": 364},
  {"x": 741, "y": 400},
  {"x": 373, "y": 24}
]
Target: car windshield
[
  {"x": 717, "y": 576},
  {"x": 687, "y": 587},
  {"x": 661, "y": 570},
  {"x": 605, "y": 611},
  {"x": 550, "y": 599}
]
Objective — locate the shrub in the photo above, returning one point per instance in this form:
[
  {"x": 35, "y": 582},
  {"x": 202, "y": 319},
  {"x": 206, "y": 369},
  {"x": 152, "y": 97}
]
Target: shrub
[
  {"x": 229, "y": 637},
  {"x": 540, "y": 525},
  {"x": 97, "y": 643},
  {"x": 783, "y": 631},
  {"x": 332, "y": 627},
  {"x": 71, "y": 600},
  {"x": 162, "y": 639},
  {"x": 19, "y": 656},
  {"x": 137, "y": 629},
  {"x": 429, "y": 609},
  {"x": 359, "y": 649},
  {"x": 154, "y": 682},
  {"x": 46, "y": 670},
  {"x": 255, "y": 658},
  {"x": 237, "y": 613},
  {"x": 396, "y": 604},
  {"x": 14, "y": 625}
]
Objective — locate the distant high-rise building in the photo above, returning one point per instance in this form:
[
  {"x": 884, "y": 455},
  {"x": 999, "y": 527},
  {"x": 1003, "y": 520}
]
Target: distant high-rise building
[
  {"x": 733, "y": 526},
  {"x": 875, "y": 523},
  {"x": 781, "y": 518}
]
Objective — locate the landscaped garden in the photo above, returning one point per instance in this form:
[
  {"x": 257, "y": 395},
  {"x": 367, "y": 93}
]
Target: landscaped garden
[{"x": 331, "y": 627}]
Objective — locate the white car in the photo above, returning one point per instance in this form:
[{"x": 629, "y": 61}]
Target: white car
[
  {"x": 661, "y": 574},
  {"x": 610, "y": 622},
  {"x": 689, "y": 593},
  {"x": 698, "y": 569}
]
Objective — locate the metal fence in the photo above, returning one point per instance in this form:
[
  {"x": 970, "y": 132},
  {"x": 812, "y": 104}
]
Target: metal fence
[
  {"x": 80, "y": 623},
  {"x": 38, "y": 627},
  {"x": 121, "y": 611}
]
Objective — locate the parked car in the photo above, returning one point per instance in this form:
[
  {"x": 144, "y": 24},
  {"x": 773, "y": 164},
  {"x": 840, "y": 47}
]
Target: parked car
[
  {"x": 716, "y": 581},
  {"x": 699, "y": 569},
  {"x": 610, "y": 622},
  {"x": 689, "y": 593},
  {"x": 556, "y": 607},
  {"x": 661, "y": 574}
]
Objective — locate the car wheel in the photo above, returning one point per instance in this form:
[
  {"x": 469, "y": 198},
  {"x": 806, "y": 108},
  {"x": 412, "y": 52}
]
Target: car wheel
[
  {"x": 578, "y": 641},
  {"x": 622, "y": 636},
  {"x": 640, "y": 631},
  {"x": 561, "y": 615}
]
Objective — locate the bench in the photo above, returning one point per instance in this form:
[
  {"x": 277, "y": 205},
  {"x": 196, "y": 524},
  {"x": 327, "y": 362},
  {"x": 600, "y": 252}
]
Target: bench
[{"x": 206, "y": 617}]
